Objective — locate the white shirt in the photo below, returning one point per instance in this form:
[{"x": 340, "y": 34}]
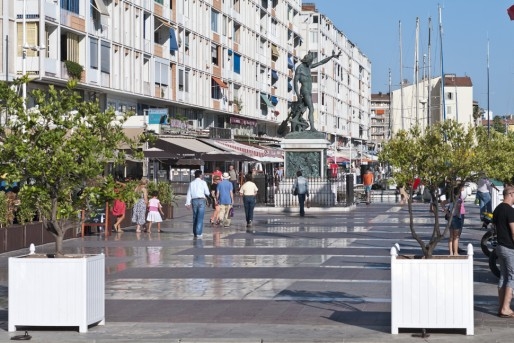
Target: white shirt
[{"x": 197, "y": 189}]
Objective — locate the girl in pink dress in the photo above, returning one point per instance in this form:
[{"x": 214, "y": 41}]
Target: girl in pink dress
[{"x": 154, "y": 212}]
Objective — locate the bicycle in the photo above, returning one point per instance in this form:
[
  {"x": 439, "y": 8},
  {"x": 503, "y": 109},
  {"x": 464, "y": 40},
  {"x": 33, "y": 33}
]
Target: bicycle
[{"x": 489, "y": 242}]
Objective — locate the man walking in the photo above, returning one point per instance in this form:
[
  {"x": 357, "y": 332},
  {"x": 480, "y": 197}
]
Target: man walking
[
  {"x": 503, "y": 219},
  {"x": 225, "y": 195},
  {"x": 367, "y": 180},
  {"x": 301, "y": 188},
  {"x": 196, "y": 198}
]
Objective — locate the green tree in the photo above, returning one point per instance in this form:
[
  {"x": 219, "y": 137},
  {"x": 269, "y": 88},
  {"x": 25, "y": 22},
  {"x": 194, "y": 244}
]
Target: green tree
[
  {"x": 446, "y": 151},
  {"x": 498, "y": 124},
  {"x": 60, "y": 148}
]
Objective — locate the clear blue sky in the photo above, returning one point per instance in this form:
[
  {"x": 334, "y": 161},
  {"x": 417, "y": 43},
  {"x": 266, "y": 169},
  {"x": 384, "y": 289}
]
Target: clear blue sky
[{"x": 468, "y": 26}]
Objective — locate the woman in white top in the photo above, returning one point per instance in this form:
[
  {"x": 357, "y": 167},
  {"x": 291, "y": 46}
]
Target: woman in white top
[{"x": 249, "y": 190}]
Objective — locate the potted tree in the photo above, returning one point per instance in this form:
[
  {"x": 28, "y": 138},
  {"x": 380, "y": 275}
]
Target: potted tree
[
  {"x": 420, "y": 296},
  {"x": 58, "y": 149}
]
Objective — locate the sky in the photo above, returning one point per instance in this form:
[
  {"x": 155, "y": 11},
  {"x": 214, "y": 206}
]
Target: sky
[{"x": 473, "y": 33}]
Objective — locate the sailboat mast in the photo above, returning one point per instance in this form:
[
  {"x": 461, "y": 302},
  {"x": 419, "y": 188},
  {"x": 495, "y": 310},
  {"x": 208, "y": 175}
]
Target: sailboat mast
[
  {"x": 429, "y": 85},
  {"x": 443, "y": 100},
  {"x": 401, "y": 75},
  {"x": 389, "y": 124},
  {"x": 488, "y": 112},
  {"x": 416, "y": 71}
]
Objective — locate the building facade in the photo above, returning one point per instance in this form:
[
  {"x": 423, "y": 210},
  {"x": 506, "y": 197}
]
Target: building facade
[
  {"x": 206, "y": 63},
  {"x": 380, "y": 125},
  {"x": 424, "y": 104}
]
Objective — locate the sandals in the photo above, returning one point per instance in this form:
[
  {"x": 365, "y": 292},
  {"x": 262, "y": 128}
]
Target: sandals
[{"x": 510, "y": 315}]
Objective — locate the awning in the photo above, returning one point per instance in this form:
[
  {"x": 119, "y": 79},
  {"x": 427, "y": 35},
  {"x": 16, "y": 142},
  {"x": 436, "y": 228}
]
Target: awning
[
  {"x": 100, "y": 7},
  {"x": 183, "y": 146},
  {"x": 159, "y": 153},
  {"x": 226, "y": 156},
  {"x": 173, "y": 40},
  {"x": 274, "y": 75},
  {"x": 244, "y": 152},
  {"x": 162, "y": 21},
  {"x": 220, "y": 83},
  {"x": 274, "y": 100},
  {"x": 266, "y": 100},
  {"x": 189, "y": 162},
  {"x": 274, "y": 51}
]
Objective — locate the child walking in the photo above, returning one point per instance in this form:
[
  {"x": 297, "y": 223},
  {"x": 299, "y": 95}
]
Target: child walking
[{"x": 154, "y": 212}]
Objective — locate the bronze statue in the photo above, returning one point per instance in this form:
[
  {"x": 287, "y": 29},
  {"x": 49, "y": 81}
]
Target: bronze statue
[{"x": 304, "y": 94}]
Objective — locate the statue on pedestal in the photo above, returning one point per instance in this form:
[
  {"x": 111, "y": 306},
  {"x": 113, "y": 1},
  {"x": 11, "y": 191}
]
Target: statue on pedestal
[{"x": 303, "y": 76}]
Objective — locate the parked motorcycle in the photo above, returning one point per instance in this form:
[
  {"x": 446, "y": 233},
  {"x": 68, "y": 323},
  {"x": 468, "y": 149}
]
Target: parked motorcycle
[{"x": 489, "y": 242}]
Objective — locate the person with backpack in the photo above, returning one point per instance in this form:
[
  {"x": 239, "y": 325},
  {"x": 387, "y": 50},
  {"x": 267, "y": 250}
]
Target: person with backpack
[{"x": 301, "y": 189}]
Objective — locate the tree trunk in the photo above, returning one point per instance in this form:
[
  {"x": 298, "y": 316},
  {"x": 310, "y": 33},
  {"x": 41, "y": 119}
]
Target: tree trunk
[{"x": 59, "y": 239}]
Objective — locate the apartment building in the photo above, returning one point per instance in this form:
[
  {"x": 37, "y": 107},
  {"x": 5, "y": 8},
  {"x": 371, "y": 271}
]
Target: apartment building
[
  {"x": 424, "y": 104},
  {"x": 380, "y": 129},
  {"x": 342, "y": 87},
  {"x": 211, "y": 63}
]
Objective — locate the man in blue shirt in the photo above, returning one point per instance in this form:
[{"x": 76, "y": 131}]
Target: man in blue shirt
[
  {"x": 197, "y": 194},
  {"x": 225, "y": 195}
]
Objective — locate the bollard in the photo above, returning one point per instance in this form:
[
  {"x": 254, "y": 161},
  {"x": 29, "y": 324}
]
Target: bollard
[{"x": 349, "y": 190}]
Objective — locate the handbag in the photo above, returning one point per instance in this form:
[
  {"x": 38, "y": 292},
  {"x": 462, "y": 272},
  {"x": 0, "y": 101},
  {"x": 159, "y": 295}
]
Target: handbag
[
  {"x": 231, "y": 212},
  {"x": 447, "y": 215},
  {"x": 295, "y": 191}
]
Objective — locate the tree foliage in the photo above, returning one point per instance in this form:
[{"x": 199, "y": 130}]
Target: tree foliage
[
  {"x": 445, "y": 152},
  {"x": 59, "y": 149}
]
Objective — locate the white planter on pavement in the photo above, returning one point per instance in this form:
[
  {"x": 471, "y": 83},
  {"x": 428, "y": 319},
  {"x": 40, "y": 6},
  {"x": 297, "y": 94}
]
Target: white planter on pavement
[
  {"x": 434, "y": 293},
  {"x": 56, "y": 291}
]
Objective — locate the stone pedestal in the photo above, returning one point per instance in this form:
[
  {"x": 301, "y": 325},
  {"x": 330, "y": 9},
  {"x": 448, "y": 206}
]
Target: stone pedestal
[{"x": 306, "y": 154}]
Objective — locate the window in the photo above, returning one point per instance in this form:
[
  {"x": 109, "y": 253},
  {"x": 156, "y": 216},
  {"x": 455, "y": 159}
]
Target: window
[
  {"x": 224, "y": 26},
  {"x": 237, "y": 5},
  {"x": 181, "y": 80},
  {"x": 237, "y": 63},
  {"x": 186, "y": 42},
  {"x": 315, "y": 19},
  {"x": 214, "y": 20},
  {"x": 70, "y": 47},
  {"x": 186, "y": 81},
  {"x": 274, "y": 27},
  {"x": 32, "y": 38},
  {"x": 237, "y": 33},
  {"x": 93, "y": 53},
  {"x": 71, "y": 5},
  {"x": 313, "y": 36},
  {"x": 105, "y": 57},
  {"x": 161, "y": 72},
  {"x": 215, "y": 90},
  {"x": 214, "y": 54},
  {"x": 449, "y": 96}
]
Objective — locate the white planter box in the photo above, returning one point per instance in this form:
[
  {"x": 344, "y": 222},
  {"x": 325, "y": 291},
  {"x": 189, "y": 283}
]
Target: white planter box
[
  {"x": 57, "y": 291},
  {"x": 432, "y": 293}
]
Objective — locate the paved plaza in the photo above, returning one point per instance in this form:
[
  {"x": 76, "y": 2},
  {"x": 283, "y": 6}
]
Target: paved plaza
[{"x": 321, "y": 278}]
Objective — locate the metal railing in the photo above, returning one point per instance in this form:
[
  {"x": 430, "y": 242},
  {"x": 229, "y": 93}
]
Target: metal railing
[{"x": 324, "y": 192}]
